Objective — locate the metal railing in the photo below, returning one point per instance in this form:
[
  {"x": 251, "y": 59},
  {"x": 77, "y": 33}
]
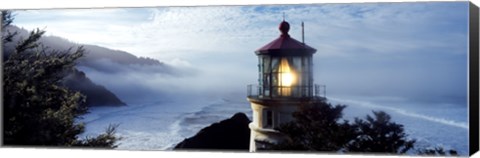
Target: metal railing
[{"x": 286, "y": 91}]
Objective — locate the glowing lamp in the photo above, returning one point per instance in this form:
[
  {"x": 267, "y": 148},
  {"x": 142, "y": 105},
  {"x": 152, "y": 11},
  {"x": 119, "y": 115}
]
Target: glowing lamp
[{"x": 286, "y": 74}]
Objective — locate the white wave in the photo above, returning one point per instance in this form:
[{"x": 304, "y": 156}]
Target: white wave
[{"x": 404, "y": 112}]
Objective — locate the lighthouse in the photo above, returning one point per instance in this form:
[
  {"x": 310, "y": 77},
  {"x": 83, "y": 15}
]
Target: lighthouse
[{"x": 285, "y": 83}]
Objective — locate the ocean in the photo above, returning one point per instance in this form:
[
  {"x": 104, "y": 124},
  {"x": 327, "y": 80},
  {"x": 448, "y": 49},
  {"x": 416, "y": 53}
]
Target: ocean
[{"x": 163, "y": 124}]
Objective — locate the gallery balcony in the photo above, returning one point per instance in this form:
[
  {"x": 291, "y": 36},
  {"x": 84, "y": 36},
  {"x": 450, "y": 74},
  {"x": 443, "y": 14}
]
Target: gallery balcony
[{"x": 286, "y": 92}]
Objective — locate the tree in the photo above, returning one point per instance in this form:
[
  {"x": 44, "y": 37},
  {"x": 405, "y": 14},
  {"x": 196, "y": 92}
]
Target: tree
[
  {"x": 316, "y": 128},
  {"x": 7, "y": 19},
  {"x": 38, "y": 110},
  {"x": 107, "y": 139},
  {"x": 379, "y": 134},
  {"x": 319, "y": 128}
]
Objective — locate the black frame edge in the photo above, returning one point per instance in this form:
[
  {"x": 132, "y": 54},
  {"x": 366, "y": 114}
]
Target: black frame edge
[{"x": 474, "y": 79}]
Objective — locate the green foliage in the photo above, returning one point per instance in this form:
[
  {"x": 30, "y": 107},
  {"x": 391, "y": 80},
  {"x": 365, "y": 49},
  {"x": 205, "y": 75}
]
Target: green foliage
[
  {"x": 38, "y": 110},
  {"x": 106, "y": 140},
  {"x": 319, "y": 127},
  {"x": 316, "y": 128},
  {"x": 7, "y": 19},
  {"x": 379, "y": 134}
]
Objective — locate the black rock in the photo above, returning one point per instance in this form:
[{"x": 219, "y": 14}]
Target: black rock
[{"x": 229, "y": 134}]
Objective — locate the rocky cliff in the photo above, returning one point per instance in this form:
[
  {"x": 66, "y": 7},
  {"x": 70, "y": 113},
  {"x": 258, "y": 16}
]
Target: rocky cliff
[{"x": 229, "y": 134}]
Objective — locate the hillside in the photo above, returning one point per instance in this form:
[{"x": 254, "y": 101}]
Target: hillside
[
  {"x": 94, "y": 54},
  {"x": 96, "y": 95},
  {"x": 101, "y": 59}
]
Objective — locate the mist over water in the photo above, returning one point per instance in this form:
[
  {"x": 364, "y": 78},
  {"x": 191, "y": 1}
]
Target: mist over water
[{"x": 143, "y": 84}]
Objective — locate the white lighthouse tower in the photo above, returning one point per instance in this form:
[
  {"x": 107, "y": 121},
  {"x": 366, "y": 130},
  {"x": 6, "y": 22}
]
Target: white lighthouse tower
[{"x": 285, "y": 82}]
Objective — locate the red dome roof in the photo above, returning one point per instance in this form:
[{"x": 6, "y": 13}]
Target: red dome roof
[{"x": 285, "y": 45}]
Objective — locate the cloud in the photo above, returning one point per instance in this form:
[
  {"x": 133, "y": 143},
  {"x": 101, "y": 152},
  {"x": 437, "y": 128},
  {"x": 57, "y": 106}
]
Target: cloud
[{"x": 407, "y": 49}]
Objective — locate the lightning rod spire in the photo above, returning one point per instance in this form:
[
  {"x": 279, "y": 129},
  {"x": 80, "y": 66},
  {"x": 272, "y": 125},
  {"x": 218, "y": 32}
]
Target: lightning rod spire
[{"x": 303, "y": 34}]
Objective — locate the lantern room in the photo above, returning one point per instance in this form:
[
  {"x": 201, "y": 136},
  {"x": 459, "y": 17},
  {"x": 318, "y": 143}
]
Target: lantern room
[{"x": 285, "y": 67}]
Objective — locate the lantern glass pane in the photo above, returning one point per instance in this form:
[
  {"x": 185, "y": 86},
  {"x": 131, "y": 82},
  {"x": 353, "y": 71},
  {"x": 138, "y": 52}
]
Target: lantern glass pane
[{"x": 285, "y": 76}]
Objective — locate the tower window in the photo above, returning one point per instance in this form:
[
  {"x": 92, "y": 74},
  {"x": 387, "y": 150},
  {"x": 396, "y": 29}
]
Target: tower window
[{"x": 269, "y": 120}]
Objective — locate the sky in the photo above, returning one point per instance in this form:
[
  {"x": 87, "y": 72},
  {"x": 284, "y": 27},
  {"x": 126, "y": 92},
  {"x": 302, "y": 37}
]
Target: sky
[{"x": 414, "y": 51}]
